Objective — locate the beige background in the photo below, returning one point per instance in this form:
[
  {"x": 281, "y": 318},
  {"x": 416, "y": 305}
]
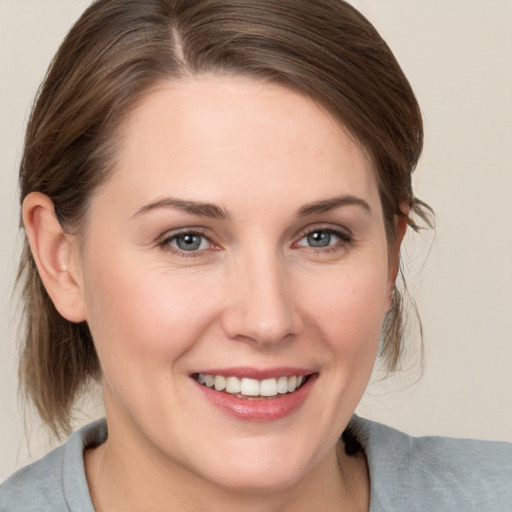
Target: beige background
[{"x": 457, "y": 55}]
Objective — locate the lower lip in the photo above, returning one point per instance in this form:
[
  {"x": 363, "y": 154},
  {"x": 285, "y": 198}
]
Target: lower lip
[{"x": 260, "y": 409}]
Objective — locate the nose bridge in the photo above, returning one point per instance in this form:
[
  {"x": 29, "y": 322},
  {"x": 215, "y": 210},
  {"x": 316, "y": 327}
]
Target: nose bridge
[{"x": 261, "y": 309}]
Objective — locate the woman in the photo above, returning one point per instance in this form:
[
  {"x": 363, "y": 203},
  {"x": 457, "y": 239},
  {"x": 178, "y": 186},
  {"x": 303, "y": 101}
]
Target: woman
[{"x": 214, "y": 195}]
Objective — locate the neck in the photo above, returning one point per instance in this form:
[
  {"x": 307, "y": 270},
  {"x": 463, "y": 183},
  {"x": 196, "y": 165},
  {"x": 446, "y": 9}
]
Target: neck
[{"x": 122, "y": 480}]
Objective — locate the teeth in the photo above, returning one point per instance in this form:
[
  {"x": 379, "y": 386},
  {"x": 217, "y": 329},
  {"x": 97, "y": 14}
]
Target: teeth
[
  {"x": 268, "y": 387},
  {"x": 282, "y": 385},
  {"x": 251, "y": 387},
  {"x": 220, "y": 383},
  {"x": 233, "y": 385}
]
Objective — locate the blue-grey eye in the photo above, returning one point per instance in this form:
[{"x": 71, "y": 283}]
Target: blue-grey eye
[
  {"x": 189, "y": 242},
  {"x": 324, "y": 239},
  {"x": 319, "y": 239}
]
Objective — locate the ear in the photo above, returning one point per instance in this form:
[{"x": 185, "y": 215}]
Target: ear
[
  {"x": 56, "y": 255},
  {"x": 400, "y": 227}
]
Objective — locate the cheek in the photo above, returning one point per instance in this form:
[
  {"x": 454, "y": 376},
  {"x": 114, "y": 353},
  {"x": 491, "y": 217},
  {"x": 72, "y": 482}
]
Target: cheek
[
  {"x": 344, "y": 317},
  {"x": 349, "y": 308},
  {"x": 139, "y": 314}
]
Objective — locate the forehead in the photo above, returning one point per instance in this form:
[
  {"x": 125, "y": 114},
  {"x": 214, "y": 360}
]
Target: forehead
[{"x": 223, "y": 137}]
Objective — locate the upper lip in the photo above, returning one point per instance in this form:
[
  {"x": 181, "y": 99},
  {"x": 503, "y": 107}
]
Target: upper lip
[{"x": 257, "y": 373}]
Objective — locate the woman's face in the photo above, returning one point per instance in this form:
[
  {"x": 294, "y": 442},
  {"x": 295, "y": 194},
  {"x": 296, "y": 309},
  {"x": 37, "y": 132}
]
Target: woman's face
[{"x": 239, "y": 241}]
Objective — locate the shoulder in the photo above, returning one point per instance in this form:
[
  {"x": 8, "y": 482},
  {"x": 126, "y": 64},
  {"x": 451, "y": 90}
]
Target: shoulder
[
  {"x": 435, "y": 473},
  {"x": 34, "y": 485},
  {"x": 57, "y": 482}
]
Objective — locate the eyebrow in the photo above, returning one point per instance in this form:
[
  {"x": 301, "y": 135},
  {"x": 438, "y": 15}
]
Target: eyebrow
[
  {"x": 213, "y": 211},
  {"x": 334, "y": 202},
  {"x": 209, "y": 210}
]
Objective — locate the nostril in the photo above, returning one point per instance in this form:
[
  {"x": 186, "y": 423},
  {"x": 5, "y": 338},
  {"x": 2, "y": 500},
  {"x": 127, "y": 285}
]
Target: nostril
[{"x": 260, "y": 309}]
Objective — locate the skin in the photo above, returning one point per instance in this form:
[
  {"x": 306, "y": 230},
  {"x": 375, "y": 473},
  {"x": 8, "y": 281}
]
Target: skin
[{"x": 255, "y": 294}]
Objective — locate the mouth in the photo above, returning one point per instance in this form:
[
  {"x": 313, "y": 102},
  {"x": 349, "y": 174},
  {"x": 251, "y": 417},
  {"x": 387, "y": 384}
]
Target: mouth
[
  {"x": 252, "y": 389},
  {"x": 257, "y": 395}
]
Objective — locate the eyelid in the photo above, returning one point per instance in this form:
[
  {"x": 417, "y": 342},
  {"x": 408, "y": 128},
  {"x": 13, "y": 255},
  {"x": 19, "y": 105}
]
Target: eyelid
[
  {"x": 173, "y": 233},
  {"x": 344, "y": 234},
  {"x": 164, "y": 241}
]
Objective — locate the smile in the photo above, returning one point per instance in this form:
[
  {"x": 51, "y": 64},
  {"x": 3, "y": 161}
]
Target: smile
[
  {"x": 252, "y": 388},
  {"x": 258, "y": 395}
]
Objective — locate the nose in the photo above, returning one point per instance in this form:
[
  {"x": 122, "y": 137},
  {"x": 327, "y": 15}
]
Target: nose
[{"x": 261, "y": 306}]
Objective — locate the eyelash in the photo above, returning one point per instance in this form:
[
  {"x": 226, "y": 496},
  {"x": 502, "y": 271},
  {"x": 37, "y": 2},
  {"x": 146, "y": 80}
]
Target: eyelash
[
  {"x": 165, "y": 243},
  {"x": 344, "y": 237}
]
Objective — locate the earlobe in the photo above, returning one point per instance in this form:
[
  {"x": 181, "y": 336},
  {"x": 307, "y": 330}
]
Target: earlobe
[
  {"x": 400, "y": 227},
  {"x": 400, "y": 230},
  {"x": 56, "y": 256}
]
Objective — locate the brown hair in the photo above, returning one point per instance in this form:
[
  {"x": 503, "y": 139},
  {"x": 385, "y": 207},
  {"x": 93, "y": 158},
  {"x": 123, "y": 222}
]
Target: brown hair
[{"x": 117, "y": 51}]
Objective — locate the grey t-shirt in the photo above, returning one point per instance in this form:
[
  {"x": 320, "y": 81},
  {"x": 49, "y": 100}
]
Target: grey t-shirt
[{"x": 407, "y": 474}]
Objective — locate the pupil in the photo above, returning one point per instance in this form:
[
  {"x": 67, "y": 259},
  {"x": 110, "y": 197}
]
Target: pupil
[
  {"x": 189, "y": 242},
  {"x": 319, "y": 239}
]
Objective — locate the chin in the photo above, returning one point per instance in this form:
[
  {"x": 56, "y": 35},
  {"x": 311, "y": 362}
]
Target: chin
[
  {"x": 254, "y": 468},
  {"x": 250, "y": 479}
]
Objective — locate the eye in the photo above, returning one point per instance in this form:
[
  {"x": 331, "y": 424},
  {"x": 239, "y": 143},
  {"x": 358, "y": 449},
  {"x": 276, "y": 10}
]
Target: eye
[
  {"x": 188, "y": 241},
  {"x": 319, "y": 239},
  {"x": 324, "y": 239}
]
